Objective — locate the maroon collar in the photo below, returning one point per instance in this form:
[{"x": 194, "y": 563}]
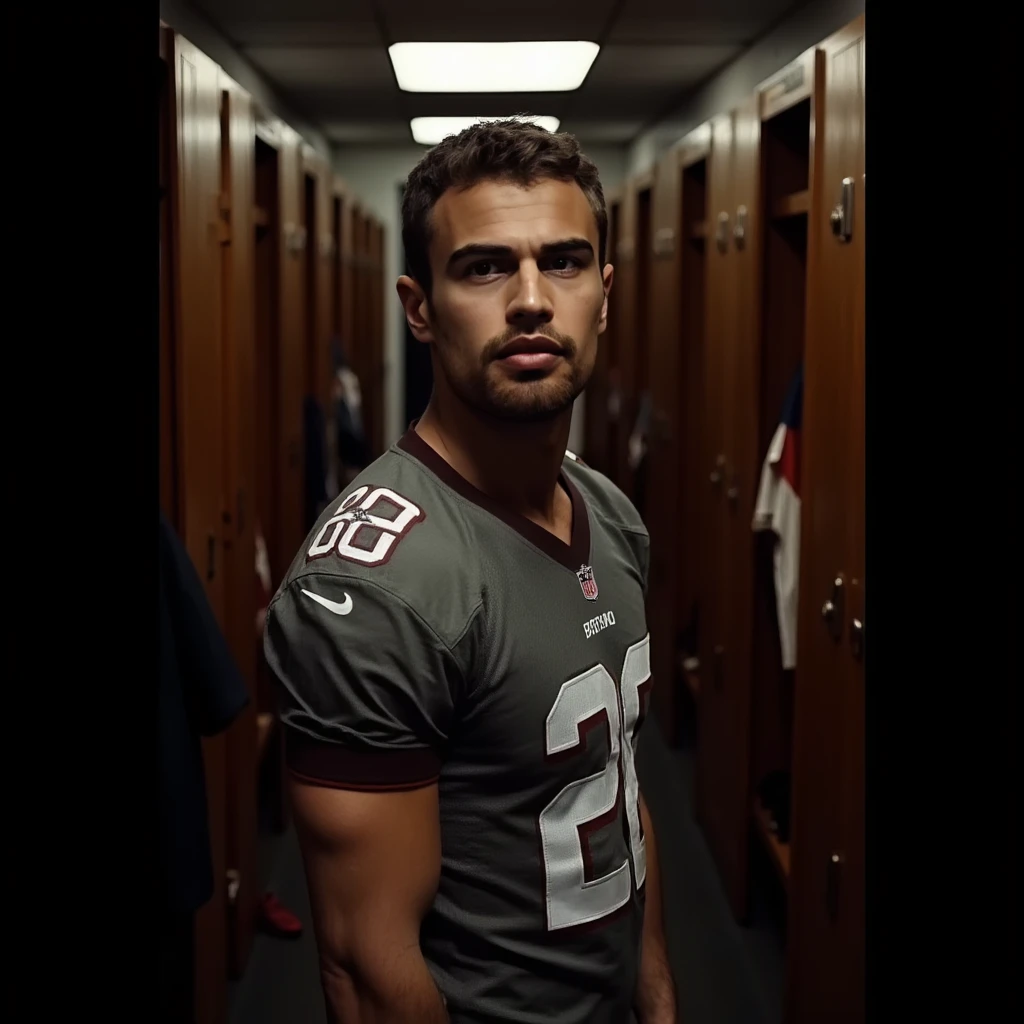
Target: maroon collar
[{"x": 572, "y": 555}]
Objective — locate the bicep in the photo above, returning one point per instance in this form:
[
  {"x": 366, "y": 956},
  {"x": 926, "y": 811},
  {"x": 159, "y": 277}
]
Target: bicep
[{"x": 372, "y": 865}]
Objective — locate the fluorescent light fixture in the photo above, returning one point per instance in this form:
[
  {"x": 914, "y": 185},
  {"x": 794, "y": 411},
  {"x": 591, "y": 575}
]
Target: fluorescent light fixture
[
  {"x": 429, "y": 131},
  {"x": 492, "y": 67}
]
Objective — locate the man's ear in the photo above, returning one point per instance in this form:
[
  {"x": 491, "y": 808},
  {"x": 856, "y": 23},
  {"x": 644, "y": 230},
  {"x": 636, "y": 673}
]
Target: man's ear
[
  {"x": 414, "y": 302},
  {"x": 606, "y": 280}
]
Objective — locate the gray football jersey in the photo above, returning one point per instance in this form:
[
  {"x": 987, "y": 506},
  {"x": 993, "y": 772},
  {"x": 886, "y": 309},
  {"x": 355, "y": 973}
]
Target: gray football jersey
[{"x": 425, "y": 634}]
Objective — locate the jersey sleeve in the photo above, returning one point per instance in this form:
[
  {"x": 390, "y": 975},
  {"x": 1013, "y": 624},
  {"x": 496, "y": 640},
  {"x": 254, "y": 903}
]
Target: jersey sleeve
[{"x": 367, "y": 689}]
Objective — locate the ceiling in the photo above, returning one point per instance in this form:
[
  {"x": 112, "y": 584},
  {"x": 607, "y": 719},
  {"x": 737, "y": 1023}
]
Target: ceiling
[{"x": 329, "y": 58}]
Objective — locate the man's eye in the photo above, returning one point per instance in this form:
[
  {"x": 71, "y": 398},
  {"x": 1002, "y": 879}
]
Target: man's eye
[
  {"x": 483, "y": 269},
  {"x": 564, "y": 263}
]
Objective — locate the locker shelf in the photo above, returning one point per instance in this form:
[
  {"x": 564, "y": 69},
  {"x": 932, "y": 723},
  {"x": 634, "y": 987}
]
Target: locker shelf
[
  {"x": 794, "y": 205},
  {"x": 777, "y": 851}
]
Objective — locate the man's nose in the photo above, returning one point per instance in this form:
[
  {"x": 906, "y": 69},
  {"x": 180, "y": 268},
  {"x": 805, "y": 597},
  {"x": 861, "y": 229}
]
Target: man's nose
[{"x": 531, "y": 304}]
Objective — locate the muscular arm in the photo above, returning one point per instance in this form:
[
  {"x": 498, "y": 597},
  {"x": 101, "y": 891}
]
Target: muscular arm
[
  {"x": 372, "y": 866},
  {"x": 655, "y": 1001}
]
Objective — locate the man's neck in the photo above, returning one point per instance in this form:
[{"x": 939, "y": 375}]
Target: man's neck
[{"x": 516, "y": 464}]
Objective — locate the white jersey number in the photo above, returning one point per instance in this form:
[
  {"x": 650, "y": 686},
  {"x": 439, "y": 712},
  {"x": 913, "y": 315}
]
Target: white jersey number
[{"x": 573, "y": 896}]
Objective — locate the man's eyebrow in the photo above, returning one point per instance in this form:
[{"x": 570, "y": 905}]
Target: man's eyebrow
[{"x": 494, "y": 250}]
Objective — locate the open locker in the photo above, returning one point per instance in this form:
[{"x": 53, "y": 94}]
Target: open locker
[
  {"x": 238, "y": 330},
  {"x": 827, "y": 880},
  {"x": 194, "y": 386},
  {"x": 675, "y": 319}
]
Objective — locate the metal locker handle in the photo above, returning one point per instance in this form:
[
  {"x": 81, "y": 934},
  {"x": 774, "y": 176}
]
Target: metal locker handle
[
  {"x": 832, "y": 609},
  {"x": 722, "y": 231},
  {"x": 717, "y": 472},
  {"x": 739, "y": 232},
  {"x": 842, "y": 213}
]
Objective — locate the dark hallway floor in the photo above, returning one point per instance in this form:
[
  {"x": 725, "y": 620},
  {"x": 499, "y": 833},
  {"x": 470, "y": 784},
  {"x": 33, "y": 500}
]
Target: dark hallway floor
[{"x": 725, "y": 973}]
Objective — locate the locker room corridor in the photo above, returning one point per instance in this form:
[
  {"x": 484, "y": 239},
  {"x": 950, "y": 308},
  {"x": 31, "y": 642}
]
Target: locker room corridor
[
  {"x": 725, "y": 973},
  {"x": 723, "y": 424}
]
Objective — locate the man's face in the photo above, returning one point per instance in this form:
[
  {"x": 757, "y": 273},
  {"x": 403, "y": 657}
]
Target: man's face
[{"x": 518, "y": 297}]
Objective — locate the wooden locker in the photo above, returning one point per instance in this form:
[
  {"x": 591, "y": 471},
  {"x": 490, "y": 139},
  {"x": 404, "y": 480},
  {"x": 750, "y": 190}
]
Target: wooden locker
[
  {"x": 625, "y": 333},
  {"x": 375, "y": 300},
  {"x": 198, "y": 378},
  {"x": 275, "y": 361},
  {"x": 348, "y": 279},
  {"x": 714, "y": 751},
  {"x": 168, "y": 425},
  {"x": 238, "y": 338},
  {"x": 786, "y": 101},
  {"x": 826, "y": 897},
  {"x": 662, "y": 478},
  {"x": 325, "y": 284},
  {"x": 694, "y": 160},
  {"x": 291, "y": 362},
  {"x": 676, "y": 339},
  {"x": 595, "y": 419},
  {"x": 364, "y": 347},
  {"x": 602, "y": 419},
  {"x": 358, "y": 346},
  {"x": 316, "y": 259},
  {"x": 731, "y": 404}
]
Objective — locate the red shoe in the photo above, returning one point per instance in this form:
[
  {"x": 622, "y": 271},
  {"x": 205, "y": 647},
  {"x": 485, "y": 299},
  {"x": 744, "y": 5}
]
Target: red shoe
[{"x": 278, "y": 919}]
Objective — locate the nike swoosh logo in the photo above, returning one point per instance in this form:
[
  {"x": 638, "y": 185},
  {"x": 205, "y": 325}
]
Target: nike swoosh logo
[{"x": 332, "y": 606}]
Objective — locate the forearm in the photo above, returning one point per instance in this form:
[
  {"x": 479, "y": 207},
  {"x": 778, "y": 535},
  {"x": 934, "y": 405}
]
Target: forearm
[
  {"x": 399, "y": 989},
  {"x": 655, "y": 1001}
]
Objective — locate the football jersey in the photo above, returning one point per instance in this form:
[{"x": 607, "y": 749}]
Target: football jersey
[{"x": 424, "y": 633}]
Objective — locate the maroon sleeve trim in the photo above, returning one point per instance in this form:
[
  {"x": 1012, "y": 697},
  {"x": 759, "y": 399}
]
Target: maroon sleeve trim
[{"x": 330, "y": 764}]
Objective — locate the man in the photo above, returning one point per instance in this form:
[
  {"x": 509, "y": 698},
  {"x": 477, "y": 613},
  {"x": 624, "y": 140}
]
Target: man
[{"x": 462, "y": 646}]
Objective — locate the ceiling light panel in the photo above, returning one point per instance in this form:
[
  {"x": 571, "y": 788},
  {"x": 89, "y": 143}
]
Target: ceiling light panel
[
  {"x": 492, "y": 67},
  {"x": 429, "y": 131}
]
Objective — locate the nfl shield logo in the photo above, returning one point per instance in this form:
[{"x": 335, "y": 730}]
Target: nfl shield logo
[{"x": 587, "y": 582}]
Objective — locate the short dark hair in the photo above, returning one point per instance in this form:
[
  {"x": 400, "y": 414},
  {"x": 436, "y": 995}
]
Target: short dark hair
[{"x": 514, "y": 150}]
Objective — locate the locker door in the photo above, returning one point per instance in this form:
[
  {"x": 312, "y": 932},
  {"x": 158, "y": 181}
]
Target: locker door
[
  {"x": 168, "y": 466},
  {"x": 198, "y": 396},
  {"x": 595, "y": 420},
  {"x": 741, "y": 405},
  {"x": 375, "y": 301},
  {"x": 291, "y": 356},
  {"x": 693, "y": 247},
  {"x": 625, "y": 332},
  {"x": 662, "y": 478},
  {"x": 198, "y": 373},
  {"x": 324, "y": 285},
  {"x": 826, "y": 963},
  {"x": 714, "y": 750},
  {"x": 348, "y": 281},
  {"x": 361, "y": 342},
  {"x": 239, "y": 280}
]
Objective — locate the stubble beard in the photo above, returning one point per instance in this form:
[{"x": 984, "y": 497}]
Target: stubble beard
[{"x": 529, "y": 396}]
